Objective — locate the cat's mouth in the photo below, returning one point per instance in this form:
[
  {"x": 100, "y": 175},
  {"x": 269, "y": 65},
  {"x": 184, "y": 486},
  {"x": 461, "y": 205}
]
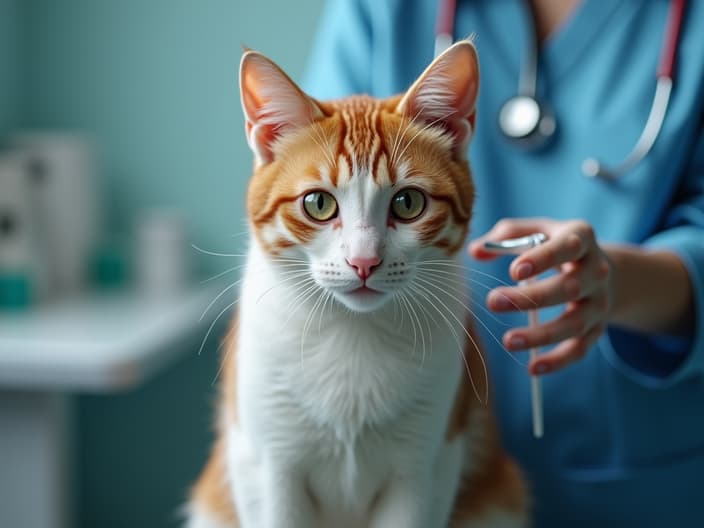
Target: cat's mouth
[
  {"x": 363, "y": 299},
  {"x": 364, "y": 291}
]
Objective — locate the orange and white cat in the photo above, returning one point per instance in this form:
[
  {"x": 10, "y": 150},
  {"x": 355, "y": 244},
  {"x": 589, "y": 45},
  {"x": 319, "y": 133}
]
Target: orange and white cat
[{"x": 346, "y": 400}]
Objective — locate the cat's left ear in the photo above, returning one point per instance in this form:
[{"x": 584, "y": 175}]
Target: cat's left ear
[
  {"x": 273, "y": 104},
  {"x": 445, "y": 94}
]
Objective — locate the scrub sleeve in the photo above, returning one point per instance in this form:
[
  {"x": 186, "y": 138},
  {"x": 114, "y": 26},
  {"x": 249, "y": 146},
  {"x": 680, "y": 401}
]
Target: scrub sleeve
[{"x": 662, "y": 361}]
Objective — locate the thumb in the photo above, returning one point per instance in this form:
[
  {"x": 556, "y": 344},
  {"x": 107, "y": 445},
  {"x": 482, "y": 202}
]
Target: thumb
[{"x": 502, "y": 230}]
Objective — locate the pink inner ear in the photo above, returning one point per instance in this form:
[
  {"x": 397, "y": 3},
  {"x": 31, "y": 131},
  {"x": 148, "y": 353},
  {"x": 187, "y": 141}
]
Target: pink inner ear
[
  {"x": 446, "y": 92},
  {"x": 260, "y": 138},
  {"x": 272, "y": 104}
]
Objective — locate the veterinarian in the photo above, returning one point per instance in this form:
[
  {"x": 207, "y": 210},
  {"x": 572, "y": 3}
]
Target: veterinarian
[{"x": 622, "y": 307}]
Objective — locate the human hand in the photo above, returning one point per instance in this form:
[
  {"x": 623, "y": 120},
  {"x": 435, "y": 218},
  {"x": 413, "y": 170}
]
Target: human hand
[{"x": 581, "y": 284}]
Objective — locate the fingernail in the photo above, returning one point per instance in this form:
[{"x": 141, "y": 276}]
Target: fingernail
[
  {"x": 517, "y": 342},
  {"x": 500, "y": 302},
  {"x": 524, "y": 270}
]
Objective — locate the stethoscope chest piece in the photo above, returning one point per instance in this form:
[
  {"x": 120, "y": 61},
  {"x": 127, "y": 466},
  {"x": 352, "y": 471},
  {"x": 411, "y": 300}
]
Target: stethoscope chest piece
[
  {"x": 530, "y": 123},
  {"x": 527, "y": 122}
]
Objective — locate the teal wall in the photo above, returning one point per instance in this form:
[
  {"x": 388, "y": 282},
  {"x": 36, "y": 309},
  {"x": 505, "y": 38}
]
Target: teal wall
[
  {"x": 10, "y": 26},
  {"x": 154, "y": 82}
]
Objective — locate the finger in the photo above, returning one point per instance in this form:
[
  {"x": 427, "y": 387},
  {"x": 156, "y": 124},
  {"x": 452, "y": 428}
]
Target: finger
[
  {"x": 582, "y": 280},
  {"x": 572, "y": 323},
  {"x": 477, "y": 251},
  {"x": 558, "y": 289},
  {"x": 565, "y": 353},
  {"x": 570, "y": 245},
  {"x": 505, "y": 229}
]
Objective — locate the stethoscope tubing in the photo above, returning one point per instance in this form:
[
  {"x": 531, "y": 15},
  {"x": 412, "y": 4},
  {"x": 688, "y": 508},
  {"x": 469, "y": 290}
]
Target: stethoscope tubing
[
  {"x": 445, "y": 25},
  {"x": 675, "y": 17},
  {"x": 665, "y": 74}
]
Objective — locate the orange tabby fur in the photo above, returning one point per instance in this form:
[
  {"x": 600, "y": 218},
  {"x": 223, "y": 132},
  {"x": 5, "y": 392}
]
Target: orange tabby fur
[
  {"x": 354, "y": 127},
  {"x": 371, "y": 129}
]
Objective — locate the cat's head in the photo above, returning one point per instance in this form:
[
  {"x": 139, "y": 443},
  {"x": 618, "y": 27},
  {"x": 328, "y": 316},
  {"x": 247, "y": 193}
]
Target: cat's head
[{"x": 364, "y": 191}]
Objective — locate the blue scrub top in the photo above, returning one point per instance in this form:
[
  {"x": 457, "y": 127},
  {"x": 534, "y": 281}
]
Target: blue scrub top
[{"x": 624, "y": 428}]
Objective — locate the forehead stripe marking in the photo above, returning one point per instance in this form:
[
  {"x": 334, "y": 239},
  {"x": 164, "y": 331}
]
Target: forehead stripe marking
[
  {"x": 334, "y": 176},
  {"x": 380, "y": 145},
  {"x": 346, "y": 141}
]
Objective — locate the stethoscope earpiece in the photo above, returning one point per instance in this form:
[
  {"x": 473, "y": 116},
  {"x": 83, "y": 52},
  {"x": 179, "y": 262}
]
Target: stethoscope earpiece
[{"x": 527, "y": 122}]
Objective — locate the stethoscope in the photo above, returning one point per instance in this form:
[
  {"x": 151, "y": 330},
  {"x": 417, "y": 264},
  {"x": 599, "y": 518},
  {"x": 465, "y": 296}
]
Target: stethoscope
[{"x": 530, "y": 123}]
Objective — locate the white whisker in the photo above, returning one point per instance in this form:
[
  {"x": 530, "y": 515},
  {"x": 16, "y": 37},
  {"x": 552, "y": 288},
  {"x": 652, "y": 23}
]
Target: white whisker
[
  {"x": 466, "y": 297},
  {"x": 222, "y": 361},
  {"x": 450, "y": 312},
  {"x": 306, "y": 325},
  {"x": 427, "y": 315},
  {"x": 228, "y": 288},
  {"x": 241, "y": 233},
  {"x": 413, "y": 316},
  {"x": 423, "y": 129},
  {"x": 478, "y": 319},
  {"x": 320, "y": 141},
  {"x": 474, "y": 270},
  {"x": 400, "y": 132},
  {"x": 210, "y": 328},
  {"x": 216, "y": 253},
  {"x": 229, "y": 270},
  {"x": 420, "y": 292},
  {"x": 308, "y": 290},
  {"x": 295, "y": 274},
  {"x": 328, "y": 296}
]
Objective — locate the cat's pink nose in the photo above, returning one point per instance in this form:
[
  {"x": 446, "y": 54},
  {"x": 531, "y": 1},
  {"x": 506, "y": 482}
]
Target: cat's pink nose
[{"x": 364, "y": 266}]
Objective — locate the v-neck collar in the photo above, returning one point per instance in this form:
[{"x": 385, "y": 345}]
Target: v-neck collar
[
  {"x": 512, "y": 21},
  {"x": 566, "y": 45}
]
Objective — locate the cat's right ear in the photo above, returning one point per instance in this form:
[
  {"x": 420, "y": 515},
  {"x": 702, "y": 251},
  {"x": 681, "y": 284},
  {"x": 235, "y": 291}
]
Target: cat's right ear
[
  {"x": 273, "y": 104},
  {"x": 445, "y": 94}
]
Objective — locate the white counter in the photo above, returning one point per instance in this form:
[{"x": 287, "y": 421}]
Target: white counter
[{"x": 98, "y": 343}]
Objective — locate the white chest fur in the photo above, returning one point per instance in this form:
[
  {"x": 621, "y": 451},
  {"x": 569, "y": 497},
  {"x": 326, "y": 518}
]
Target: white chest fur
[{"x": 343, "y": 401}]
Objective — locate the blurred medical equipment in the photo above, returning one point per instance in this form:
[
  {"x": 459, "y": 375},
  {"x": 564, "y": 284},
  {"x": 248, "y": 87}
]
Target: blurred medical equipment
[
  {"x": 21, "y": 271},
  {"x": 162, "y": 250},
  {"x": 530, "y": 123},
  {"x": 62, "y": 174},
  {"x": 516, "y": 246}
]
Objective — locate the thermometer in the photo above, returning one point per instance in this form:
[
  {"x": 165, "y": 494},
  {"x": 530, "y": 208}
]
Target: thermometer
[{"x": 516, "y": 246}]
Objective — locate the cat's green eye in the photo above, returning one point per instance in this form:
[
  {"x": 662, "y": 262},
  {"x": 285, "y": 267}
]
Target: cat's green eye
[
  {"x": 408, "y": 204},
  {"x": 320, "y": 206}
]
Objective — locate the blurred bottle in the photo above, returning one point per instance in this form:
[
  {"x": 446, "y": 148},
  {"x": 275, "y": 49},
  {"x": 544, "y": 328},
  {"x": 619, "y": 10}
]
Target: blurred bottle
[
  {"x": 162, "y": 264},
  {"x": 22, "y": 268},
  {"x": 61, "y": 168}
]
